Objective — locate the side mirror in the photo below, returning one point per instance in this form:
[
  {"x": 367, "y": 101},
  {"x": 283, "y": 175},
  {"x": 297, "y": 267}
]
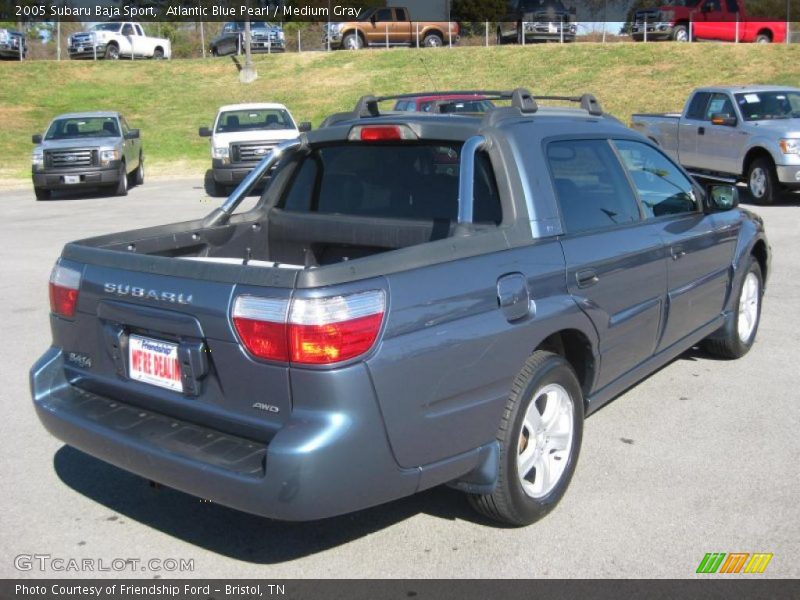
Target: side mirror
[
  {"x": 373, "y": 19},
  {"x": 204, "y": 132},
  {"x": 133, "y": 134},
  {"x": 722, "y": 197},
  {"x": 723, "y": 119},
  {"x": 304, "y": 127},
  {"x": 36, "y": 139}
]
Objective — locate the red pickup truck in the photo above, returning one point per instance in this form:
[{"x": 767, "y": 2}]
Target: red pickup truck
[{"x": 723, "y": 20}]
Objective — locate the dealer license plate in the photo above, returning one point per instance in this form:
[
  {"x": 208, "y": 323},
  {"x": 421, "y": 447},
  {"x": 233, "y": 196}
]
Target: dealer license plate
[
  {"x": 72, "y": 178},
  {"x": 154, "y": 362}
]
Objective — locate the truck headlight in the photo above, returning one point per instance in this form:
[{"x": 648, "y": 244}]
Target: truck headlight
[
  {"x": 790, "y": 145},
  {"x": 222, "y": 153},
  {"x": 281, "y": 36},
  {"x": 4, "y": 35},
  {"x": 106, "y": 156},
  {"x": 37, "y": 159}
]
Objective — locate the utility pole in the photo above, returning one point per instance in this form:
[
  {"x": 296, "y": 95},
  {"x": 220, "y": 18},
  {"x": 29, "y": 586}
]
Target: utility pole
[{"x": 248, "y": 73}]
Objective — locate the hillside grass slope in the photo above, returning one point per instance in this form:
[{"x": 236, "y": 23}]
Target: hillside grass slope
[{"x": 169, "y": 100}]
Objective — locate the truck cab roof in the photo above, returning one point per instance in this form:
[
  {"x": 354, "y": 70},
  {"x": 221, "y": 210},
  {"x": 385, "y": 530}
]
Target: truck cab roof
[
  {"x": 253, "y": 106},
  {"x": 96, "y": 114}
]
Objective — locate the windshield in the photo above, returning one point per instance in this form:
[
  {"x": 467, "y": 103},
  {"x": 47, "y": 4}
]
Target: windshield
[
  {"x": 82, "y": 127},
  {"x": 254, "y": 120},
  {"x": 760, "y": 106},
  {"x": 398, "y": 181},
  {"x": 106, "y": 27},
  {"x": 458, "y": 106}
]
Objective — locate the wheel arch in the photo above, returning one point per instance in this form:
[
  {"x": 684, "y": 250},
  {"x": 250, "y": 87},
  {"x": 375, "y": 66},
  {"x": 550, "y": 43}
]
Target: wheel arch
[
  {"x": 577, "y": 349},
  {"x": 752, "y": 154},
  {"x": 767, "y": 32},
  {"x": 356, "y": 31},
  {"x": 761, "y": 254}
]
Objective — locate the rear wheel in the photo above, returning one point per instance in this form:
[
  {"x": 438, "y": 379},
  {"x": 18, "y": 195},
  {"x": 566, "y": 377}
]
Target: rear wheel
[
  {"x": 540, "y": 438},
  {"x": 763, "y": 38},
  {"x": 138, "y": 174},
  {"x": 41, "y": 193},
  {"x": 433, "y": 40},
  {"x": 158, "y": 54},
  {"x": 762, "y": 182},
  {"x": 741, "y": 332}
]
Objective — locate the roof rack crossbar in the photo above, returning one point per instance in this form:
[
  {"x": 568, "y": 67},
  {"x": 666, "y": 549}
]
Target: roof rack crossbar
[{"x": 587, "y": 101}]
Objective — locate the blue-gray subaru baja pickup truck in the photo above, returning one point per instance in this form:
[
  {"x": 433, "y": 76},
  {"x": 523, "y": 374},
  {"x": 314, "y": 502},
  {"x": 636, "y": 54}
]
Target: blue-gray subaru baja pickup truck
[{"x": 417, "y": 299}]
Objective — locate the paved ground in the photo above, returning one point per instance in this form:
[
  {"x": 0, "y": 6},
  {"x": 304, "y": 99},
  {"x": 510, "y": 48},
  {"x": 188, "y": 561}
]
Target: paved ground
[{"x": 701, "y": 457}]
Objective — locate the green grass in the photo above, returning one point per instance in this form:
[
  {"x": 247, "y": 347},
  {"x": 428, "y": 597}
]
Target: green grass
[{"x": 169, "y": 100}]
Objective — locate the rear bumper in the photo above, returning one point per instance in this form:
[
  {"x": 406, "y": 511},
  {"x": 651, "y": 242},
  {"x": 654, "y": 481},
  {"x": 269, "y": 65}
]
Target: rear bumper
[
  {"x": 87, "y": 177},
  {"x": 320, "y": 464}
]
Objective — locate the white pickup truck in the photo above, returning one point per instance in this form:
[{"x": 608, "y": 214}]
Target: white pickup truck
[
  {"x": 118, "y": 39},
  {"x": 242, "y": 135},
  {"x": 734, "y": 133}
]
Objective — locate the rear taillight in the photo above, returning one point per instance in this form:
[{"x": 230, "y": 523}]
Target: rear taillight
[
  {"x": 381, "y": 133},
  {"x": 261, "y": 325},
  {"x": 314, "y": 331},
  {"x": 64, "y": 285}
]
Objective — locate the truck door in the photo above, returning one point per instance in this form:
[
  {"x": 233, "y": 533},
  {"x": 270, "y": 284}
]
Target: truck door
[
  {"x": 140, "y": 42},
  {"x": 615, "y": 262},
  {"x": 710, "y": 21},
  {"x": 699, "y": 247},
  {"x": 378, "y": 24},
  {"x": 127, "y": 35},
  {"x": 691, "y": 125},
  {"x": 400, "y": 31},
  {"x": 719, "y": 146}
]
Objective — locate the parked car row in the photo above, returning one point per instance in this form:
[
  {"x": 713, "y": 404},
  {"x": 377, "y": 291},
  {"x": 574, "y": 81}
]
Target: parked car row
[
  {"x": 417, "y": 299},
  {"x": 12, "y": 44}
]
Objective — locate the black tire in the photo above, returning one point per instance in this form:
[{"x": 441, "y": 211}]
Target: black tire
[
  {"x": 681, "y": 34},
  {"x": 122, "y": 183},
  {"x": 138, "y": 174},
  {"x": 762, "y": 182},
  {"x": 42, "y": 194},
  {"x": 352, "y": 41},
  {"x": 732, "y": 346},
  {"x": 510, "y": 503},
  {"x": 763, "y": 38},
  {"x": 158, "y": 54},
  {"x": 112, "y": 52},
  {"x": 433, "y": 40},
  {"x": 500, "y": 40}
]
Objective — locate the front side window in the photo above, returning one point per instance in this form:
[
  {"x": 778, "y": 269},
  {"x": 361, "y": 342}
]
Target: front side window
[
  {"x": 590, "y": 185},
  {"x": 383, "y": 14},
  {"x": 663, "y": 189},
  {"x": 697, "y": 108},
  {"x": 720, "y": 104},
  {"x": 396, "y": 181}
]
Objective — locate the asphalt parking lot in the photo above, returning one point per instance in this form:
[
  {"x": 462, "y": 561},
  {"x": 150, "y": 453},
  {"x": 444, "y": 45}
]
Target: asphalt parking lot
[{"x": 701, "y": 457}]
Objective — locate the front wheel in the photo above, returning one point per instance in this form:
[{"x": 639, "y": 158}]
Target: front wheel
[
  {"x": 540, "y": 439},
  {"x": 762, "y": 182},
  {"x": 742, "y": 330},
  {"x": 112, "y": 52},
  {"x": 353, "y": 41},
  {"x": 122, "y": 183},
  {"x": 681, "y": 34},
  {"x": 138, "y": 174},
  {"x": 42, "y": 194}
]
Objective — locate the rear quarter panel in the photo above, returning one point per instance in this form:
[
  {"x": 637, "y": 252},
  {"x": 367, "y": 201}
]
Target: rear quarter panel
[{"x": 448, "y": 357}]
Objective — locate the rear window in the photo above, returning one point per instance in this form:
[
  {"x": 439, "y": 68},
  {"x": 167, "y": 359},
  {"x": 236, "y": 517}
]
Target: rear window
[{"x": 408, "y": 181}]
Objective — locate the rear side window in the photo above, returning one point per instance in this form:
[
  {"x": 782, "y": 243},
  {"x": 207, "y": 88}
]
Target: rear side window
[
  {"x": 697, "y": 108},
  {"x": 409, "y": 181},
  {"x": 663, "y": 189},
  {"x": 591, "y": 187}
]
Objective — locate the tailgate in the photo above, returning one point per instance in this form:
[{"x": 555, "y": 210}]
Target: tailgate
[{"x": 166, "y": 343}]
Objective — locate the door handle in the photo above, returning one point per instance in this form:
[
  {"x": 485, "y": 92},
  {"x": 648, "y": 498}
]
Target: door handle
[
  {"x": 701, "y": 131},
  {"x": 586, "y": 278},
  {"x": 677, "y": 252}
]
